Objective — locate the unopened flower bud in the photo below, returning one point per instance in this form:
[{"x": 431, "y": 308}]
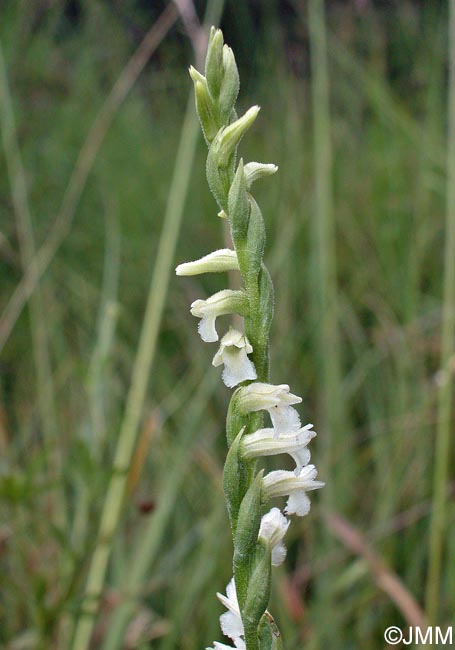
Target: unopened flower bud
[{"x": 223, "y": 260}]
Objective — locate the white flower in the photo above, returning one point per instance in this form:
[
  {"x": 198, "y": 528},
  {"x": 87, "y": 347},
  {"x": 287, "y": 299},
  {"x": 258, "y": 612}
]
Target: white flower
[
  {"x": 221, "y": 303},
  {"x": 233, "y": 353},
  {"x": 282, "y": 483},
  {"x": 264, "y": 442},
  {"x": 222, "y": 260},
  {"x": 255, "y": 170},
  {"x": 276, "y": 400},
  {"x": 231, "y": 621},
  {"x": 273, "y": 528}
]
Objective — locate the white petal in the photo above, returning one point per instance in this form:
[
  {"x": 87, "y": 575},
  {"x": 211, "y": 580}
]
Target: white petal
[
  {"x": 231, "y": 626},
  {"x": 284, "y": 419},
  {"x": 230, "y": 600},
  {"x": 298, "y": 504},
  {"x": 207, "y": 330},
  {"x": 278, "y": 554},
  {"x": 302, "y": 457},
  {"x": 237, "y": 367}
]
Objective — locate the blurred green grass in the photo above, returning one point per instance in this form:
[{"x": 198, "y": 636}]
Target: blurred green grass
[{"x": 387, "y": 91}]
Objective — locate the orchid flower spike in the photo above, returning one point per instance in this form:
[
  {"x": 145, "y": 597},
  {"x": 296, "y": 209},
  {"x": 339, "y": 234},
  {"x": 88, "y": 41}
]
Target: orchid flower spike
[
  {"x": 264, "y": 442},
  {"x": 274, "y": 526},
  {"x": 277, "y": 400},
  {"x": 221, "y": 303},
  {"x": 258, "y": 538},
  {"x": 233, "y": 353},
  {"x": 282, "y": 483}
]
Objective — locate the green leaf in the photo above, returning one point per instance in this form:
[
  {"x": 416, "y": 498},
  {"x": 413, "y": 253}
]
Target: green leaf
[
  {"x": 235, "y": 480},
  {"x": 258, "y": 593},
  {"x": 266, "y": 301},
  {"x": 219, "y": 177},
  {"x": 214, "y": 62},
  {"x": 246, "y": 535},
  {"x": 255, "y": 243},
  {"x": 239, "y": 208}
]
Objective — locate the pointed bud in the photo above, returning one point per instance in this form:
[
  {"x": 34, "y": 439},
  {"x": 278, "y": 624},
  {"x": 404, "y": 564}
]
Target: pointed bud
[
  {"x": 214, "y": 62},
  {"x": 229, "y": 86},
  {"x": 216, "y": 262},
  {"x": 195, "y": 75},
  {"x": 205, "y": 110},
  {"x": 232, "y": 134}
]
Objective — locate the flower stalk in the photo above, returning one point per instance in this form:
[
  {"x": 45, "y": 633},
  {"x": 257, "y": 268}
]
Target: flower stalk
[{"x": 257, "y": 534}]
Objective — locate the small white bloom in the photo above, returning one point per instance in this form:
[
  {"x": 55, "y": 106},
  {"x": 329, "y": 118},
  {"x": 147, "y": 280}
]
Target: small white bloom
[
  {"x": 282, "y": 483},
  {"x": 222, "y": 260},
  {"x": 231, "y": 621},
  {"x": 255, "y": 170},
  {"x": 264, "y": 442},
  {"x": 277, "y": 400},
  {"x": 221, "y": 303},
  {"x": 273, "y": 528},
  {"x": 233, "y": 353}
]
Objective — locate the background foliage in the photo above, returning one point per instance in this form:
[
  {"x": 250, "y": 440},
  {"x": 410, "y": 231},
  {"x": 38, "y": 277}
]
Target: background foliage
[{"x": 60, "y": 414}]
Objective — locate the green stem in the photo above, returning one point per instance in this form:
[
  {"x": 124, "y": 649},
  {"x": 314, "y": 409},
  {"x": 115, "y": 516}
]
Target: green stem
[{"x": 445, "y": 399}]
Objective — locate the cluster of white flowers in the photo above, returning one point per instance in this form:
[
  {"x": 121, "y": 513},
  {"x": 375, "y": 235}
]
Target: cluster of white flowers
[
  {"x": 258, "y": 541},
  {"x": 285, "y": 436}
]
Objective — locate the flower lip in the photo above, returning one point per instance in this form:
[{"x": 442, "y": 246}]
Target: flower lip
[{"x": 233, "y": 352}]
